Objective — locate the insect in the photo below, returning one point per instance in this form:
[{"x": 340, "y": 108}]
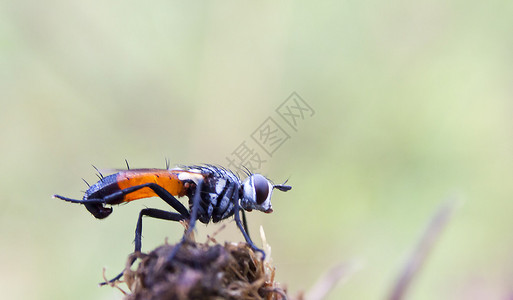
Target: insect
[{"x": 214, "y": 193}]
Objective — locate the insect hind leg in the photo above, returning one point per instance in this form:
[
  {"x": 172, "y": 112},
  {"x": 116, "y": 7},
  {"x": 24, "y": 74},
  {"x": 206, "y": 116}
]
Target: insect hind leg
[
  {"x": 94, "y": 206},
  {"x": 79, "y": 201},
  {"x": 162, "y": 193},
  {"x": 157, "y": 214},
  {"x": 149, "y": 212}
]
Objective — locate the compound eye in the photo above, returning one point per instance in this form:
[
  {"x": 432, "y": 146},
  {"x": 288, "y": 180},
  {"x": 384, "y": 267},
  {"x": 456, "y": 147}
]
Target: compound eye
[{"x": 261, "y": 188}]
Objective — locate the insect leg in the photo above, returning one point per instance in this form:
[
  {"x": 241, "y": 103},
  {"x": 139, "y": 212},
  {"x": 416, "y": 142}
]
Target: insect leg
[
  {"x": 157, "y": 214},
  {"x": 244, "y": 233},
  {"x": 192, "y": 220},
  {"x": 87, "y": 201},
  {"x": 149, "y": 212},
  {"x": 245, "y": 222},
  {"x": 94, "y": 206},
  {"x": 160, "y": 191},
  {"x": 195, "y": 207}
]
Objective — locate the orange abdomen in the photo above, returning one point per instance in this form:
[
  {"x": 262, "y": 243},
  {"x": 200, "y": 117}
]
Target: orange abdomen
[{"x": 167, "y": 179}]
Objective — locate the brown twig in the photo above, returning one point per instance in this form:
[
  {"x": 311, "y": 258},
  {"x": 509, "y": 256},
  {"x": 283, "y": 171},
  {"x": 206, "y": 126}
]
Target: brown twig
[
  {"x": 426, "y": 243},
  {"x": 330, "y": 279}
]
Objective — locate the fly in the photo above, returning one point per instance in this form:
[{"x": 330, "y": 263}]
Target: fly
[{"x": 214, "y": 194}]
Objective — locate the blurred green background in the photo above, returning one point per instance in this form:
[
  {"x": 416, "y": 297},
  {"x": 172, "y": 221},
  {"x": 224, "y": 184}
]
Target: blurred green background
[{"x": 413, "y": 104}]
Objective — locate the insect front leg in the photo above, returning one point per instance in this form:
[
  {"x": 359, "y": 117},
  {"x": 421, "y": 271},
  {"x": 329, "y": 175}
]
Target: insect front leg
[
  {"x": 243, "y": 228},
  {"x": 245, "y": 222}
]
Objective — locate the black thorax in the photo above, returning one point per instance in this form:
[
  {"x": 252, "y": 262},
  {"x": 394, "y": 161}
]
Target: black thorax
[{"x": 219, "y": 194}]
